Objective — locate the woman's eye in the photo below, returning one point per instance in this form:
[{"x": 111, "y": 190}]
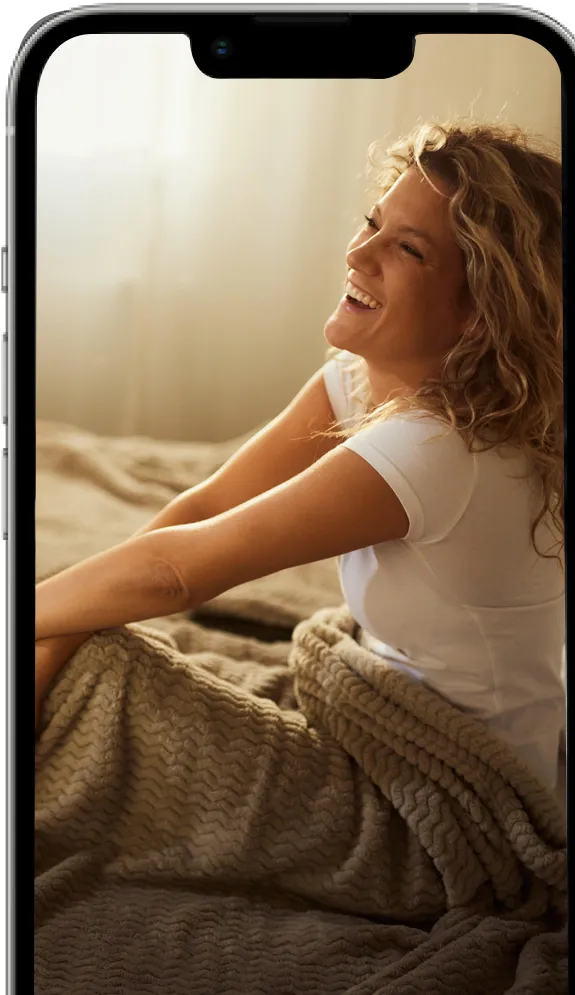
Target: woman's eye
[
  {"x": 370, "y": 222},
  {"x": 410, "y": 250}
]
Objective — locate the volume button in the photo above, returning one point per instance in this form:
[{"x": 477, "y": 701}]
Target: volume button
[
  {"x": 5, "y": 379},
  {"x": 3, "y": 399},
  {"x": 5, "y": 494}
]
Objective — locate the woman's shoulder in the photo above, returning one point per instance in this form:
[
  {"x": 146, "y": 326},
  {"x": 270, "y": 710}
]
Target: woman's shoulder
[
  {"x": 415, "y": 427},
  {"x": 426, "y": 463}
]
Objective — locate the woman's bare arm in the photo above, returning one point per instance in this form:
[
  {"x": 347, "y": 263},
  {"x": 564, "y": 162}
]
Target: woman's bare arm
[
  {"x": 284, "y": 447},
  {"x": 288, "y": 444},
  {"x": 338, "y": 504}
]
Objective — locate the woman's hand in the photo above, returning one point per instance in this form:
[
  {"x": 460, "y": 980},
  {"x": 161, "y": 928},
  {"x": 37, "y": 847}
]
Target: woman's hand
[
  {"x": 51, "y": 655},
  {"x": 43, "y": 668}
]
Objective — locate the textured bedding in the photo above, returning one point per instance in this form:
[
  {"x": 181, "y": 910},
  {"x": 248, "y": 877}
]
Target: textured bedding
[
  {"x": 220, "y": 818},
  {"x": 219, "y": 814}
]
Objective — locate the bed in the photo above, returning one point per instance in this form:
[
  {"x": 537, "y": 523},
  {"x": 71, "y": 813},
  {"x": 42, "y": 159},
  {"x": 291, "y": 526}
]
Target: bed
[{"x": 91, "y": 493}]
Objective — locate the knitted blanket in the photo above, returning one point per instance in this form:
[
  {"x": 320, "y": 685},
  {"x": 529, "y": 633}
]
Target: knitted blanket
[{"x": 218, "y": 815}]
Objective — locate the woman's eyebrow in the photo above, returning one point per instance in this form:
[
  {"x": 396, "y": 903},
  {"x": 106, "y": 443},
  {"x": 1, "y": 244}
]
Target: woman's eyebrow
[
  {"x": 420, "y": 232},
  {"x": 410, "y": 229}
]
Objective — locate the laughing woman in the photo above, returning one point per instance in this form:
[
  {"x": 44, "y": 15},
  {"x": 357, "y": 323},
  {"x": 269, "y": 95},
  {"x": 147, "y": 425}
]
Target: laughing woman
[{"x": 427, "y": 453}]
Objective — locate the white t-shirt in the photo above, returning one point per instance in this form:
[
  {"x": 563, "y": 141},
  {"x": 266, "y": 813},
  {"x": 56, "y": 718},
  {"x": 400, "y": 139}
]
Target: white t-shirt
[{"x": 463, "y": 602}]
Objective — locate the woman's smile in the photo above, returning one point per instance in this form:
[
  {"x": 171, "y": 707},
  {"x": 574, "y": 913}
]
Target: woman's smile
[
  {"x": 350, "y": 306},
  {"x": 358, "y": 296},
  {"x": 356, "y": 302}
]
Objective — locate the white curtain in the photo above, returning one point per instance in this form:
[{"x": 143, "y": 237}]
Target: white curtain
[{"x": 192, "y": 231}]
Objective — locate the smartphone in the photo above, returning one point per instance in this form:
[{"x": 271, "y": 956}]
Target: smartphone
[{"x": 284, "y": 476}]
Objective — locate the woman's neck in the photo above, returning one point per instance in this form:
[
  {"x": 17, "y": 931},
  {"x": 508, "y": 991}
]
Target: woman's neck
[{"x": 390, "y": 384}]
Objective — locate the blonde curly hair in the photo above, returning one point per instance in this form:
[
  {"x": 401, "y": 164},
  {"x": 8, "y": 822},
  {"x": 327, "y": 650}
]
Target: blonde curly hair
[{"x": 502, "y": 383}]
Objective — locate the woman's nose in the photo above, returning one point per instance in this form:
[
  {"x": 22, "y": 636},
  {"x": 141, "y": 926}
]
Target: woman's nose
[{"x": 362, "y": 255}]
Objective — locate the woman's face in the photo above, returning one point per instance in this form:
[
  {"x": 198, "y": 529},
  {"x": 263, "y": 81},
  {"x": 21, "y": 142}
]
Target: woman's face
[{"x": 409, "y": 267}]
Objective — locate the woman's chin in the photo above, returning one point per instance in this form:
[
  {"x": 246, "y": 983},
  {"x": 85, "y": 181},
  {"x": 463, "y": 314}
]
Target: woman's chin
[
  {"x": 347, "y": 328},
  {"x": 336, "y": 334}
]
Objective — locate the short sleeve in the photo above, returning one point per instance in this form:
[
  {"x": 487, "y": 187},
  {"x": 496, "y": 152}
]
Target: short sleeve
[
  {"x": 337, "y": 380},
  {"x": 427, "y": 465}
]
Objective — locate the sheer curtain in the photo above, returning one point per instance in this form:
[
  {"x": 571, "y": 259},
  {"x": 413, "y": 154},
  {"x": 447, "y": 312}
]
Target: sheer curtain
[{"x": 192, "y": 231}]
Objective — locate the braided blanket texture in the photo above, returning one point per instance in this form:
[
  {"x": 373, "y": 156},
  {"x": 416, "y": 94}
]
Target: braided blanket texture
[{"x": 218, "y": 815}]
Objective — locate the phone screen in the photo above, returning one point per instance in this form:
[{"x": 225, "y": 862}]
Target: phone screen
[{"x": 300, "y": 603}]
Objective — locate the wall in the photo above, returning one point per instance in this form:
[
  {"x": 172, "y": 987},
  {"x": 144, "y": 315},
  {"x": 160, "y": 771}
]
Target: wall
[{"x": 192, "y": 232}]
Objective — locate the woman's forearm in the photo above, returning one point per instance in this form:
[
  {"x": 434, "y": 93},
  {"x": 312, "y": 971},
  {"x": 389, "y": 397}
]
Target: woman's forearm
[
  {"x": 128, "y": 583},
  {"x": 191, "y": 506},
  {"x": 58, "y": 641}
]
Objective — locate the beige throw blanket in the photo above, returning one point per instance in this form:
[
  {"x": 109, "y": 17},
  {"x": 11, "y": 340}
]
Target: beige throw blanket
[{"x": 218, "y": 815}]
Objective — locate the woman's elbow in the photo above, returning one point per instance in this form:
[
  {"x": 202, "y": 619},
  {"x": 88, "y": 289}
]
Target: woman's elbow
[
  {"x": 192, "y": 564},
  {"x": 165, "y": 582}
]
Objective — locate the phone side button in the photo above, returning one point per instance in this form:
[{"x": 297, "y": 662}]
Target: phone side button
[
  {"x": 5, "y": 494},
  {"x": 5, "y": 379},
  {"x": 4, "y": 269}
]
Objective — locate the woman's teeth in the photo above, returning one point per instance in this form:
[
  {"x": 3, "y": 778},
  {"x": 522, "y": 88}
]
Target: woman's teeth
[{"x": 357, "y": 295}]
